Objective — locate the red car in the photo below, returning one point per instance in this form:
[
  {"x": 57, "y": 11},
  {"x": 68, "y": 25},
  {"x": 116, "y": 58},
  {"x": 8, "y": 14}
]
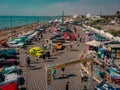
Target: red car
[
  {"x": 66, "y": 36},
  {"x": 10, "y": 86},
  {"x": 72, "y": 36}
]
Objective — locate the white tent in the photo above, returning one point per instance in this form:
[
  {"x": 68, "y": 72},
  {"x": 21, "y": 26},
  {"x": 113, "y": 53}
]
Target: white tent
[
  {"x": 108, "y": 35},
  {"x": 93, "y": 43},
  {"x": 56, "y": 20}
]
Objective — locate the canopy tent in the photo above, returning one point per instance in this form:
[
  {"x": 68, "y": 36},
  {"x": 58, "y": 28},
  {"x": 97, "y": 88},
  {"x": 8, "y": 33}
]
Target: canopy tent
[{"x": 93, "y": 43}]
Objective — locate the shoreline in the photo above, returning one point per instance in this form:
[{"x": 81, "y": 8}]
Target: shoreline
[{"x": 19, "y": 30}]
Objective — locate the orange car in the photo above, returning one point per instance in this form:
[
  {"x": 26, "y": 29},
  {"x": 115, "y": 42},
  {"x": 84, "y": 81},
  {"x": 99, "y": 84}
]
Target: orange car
[{"x": 59, "y": 46}]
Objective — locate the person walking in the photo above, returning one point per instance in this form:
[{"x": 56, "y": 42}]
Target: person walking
[
  {"x": 63, "y": 69},
  {"x": 53, "y": 73},
  {"x": 48, "y": 54},
  {"x": 28, "y": 59}
]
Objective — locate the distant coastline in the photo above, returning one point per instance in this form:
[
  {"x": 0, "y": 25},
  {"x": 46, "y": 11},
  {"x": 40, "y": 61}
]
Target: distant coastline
[{"x": 7, "y": 22}]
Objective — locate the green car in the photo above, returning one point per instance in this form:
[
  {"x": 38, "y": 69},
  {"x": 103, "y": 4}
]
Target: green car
[{"x": 9, "y": 70}]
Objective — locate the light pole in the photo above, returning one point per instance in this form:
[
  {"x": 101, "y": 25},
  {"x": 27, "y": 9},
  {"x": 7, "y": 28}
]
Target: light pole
[
  {"x": 11, "y": 28},
  {"x": 62, "y": 23}
]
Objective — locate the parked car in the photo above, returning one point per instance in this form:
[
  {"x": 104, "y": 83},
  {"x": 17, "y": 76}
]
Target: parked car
[
  {"x": 59, "y": 46},
  {"x": 9, "y": 78},
  {"x": 37, "y": 51},
  {"x": 16, "y": 44},
  {"x": 10, "y": 86},
  {"x": 9, "y": 62},
  {"x": 8, "y": 54},
  {"x": 54, "y": 37},
  {"x": 9, "y": 70},
  {"x": 10, "y": 51}
]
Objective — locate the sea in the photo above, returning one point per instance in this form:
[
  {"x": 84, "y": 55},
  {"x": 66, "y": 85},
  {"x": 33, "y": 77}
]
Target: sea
[{"x": 15, "y": 21}]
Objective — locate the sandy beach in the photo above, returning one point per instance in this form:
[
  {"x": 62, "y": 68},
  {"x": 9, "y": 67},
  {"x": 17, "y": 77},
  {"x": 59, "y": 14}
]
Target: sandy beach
[{"x": 17, "y": 31}]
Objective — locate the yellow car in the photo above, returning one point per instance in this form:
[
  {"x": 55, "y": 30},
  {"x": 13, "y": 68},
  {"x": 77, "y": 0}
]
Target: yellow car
[{"x": 37, "y": 51}]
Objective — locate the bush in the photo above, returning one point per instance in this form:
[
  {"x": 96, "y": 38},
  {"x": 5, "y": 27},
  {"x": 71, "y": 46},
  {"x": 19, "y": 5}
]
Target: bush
[{"x": 114, "y": 32}]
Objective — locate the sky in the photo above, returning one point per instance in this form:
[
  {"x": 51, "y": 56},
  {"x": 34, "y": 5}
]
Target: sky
[{"x": 56, "y": 7}]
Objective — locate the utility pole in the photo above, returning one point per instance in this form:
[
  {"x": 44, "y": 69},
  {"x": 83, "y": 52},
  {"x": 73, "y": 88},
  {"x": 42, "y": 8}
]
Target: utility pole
[
  {"x": 11, "y": 28},
  {"x": 62, "y": 23}
]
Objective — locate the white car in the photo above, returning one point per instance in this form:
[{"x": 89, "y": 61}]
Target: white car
[
  {"x": 9, "y": 78},
  {"x": 16, "y": 43}
]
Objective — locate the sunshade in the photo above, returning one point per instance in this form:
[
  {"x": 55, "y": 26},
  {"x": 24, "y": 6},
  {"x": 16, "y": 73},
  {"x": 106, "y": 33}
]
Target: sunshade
[{"x": 93, "y": 43}]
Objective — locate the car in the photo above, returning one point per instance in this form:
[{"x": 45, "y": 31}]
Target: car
[
  {"x": 59, "y": 46},
  {"x": 54, "y": 37},
  {"x": 9, "y": 54},
  {"x": 10, "y": 51},
  {"x": 9, "y": 70},
  {"x": 10, "y": 86},
  {"x": 16, "y": 44},
  {"x": 4, "y": 62},
  {"x": 9, "y": 78},
  {"x": 37, "y": 51}
]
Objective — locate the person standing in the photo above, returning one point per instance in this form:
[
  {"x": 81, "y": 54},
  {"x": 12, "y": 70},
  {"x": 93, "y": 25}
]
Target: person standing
[
  {"x": 71, "y": 47},
  {"x": 78, "y": 35},
  {"x": 82, "y": 75},
  {"x": 85, "y": 88},
  {"x": 67, "y": 86},
  {"x": 44, "y": 57}
]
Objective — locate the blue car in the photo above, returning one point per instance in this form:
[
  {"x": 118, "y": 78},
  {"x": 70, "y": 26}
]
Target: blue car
[{"x": 9, "y": 54}]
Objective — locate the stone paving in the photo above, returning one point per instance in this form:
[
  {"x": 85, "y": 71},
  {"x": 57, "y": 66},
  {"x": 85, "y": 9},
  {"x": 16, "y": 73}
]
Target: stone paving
[{"x": 35, "y": 76}]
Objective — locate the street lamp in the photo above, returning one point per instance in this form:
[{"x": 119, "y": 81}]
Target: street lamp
[
  {"x": 62, "y": 23},
  {"x": 11, "y": 28}
]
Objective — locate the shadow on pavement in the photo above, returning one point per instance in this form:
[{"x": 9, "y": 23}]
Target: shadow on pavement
[
  {"x": 21, "y": 81},
  {"x": 66, "y": 76},
  {"x": 35, "y": 68},
  {"x": 75, "y": 50},
  {"x": 53, "y": 58},
  {"x": 23, "y": 88}
]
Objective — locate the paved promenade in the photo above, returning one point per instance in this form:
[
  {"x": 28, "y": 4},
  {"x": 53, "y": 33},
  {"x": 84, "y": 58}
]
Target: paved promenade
[{"x": 35, "y": 76}]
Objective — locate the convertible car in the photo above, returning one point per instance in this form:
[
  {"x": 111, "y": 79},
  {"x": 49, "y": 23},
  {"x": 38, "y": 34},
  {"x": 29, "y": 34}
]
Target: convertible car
[{"x": 37, "y": 51}]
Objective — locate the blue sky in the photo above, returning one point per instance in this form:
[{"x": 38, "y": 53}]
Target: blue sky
[{"x": 55, "y": 7}]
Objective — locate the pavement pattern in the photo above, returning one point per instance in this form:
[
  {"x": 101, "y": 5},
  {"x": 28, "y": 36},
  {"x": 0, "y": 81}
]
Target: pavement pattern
[{"x": 35, "y": 76}]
